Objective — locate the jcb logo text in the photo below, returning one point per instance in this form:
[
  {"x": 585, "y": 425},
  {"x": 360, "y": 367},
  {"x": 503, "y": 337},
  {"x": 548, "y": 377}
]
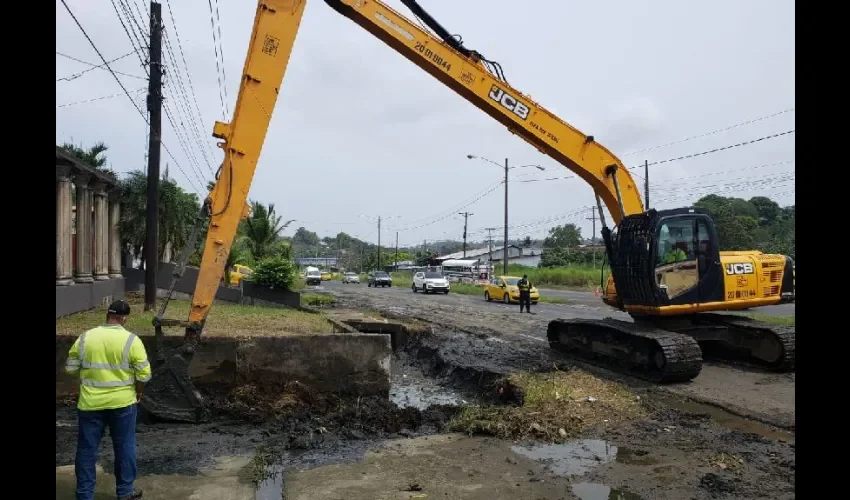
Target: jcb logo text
[
  {"x": 739, "y": 268},
  {"x": 508, "y": 102}
]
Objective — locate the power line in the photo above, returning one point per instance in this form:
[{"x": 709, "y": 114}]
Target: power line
[
  {"x": 188, "y": 74},
  {"x": 98, "y": 98},
  {"x": 134, "y": 41},
  {"x": 183, "y": 106},
  {"x": 105, "y": 63},
  {"x": 74, "y": 76},
  {"x": 219, "y": 71},
  {"x": 700, "y": 136},
  {"x": 716, "y": 150},
  {"x": 100, "y": 66},
  {"x": 685, "y": 157}
]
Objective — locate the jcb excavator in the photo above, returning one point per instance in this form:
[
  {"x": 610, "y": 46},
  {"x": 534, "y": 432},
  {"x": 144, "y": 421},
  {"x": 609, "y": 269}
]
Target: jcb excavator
[{"x": 670, "y": 275}]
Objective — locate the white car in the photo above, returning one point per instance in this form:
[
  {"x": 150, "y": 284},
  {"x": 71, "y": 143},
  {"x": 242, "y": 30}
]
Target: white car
[
  {"x": 351, "y": 278},
  {"x": 430, "y": 281}
]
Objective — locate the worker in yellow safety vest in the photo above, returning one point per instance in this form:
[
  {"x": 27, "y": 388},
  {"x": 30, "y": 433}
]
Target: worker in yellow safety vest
[{"x": 113, "y": 367}]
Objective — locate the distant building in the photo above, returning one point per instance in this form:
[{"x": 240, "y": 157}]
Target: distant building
[
  {"x": 316, "y": 261},
  {"x": 516, "y": 255}
]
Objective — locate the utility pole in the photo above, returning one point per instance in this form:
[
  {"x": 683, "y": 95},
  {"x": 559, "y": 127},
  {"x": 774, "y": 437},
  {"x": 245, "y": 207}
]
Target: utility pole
[
  {"x": 490, "y": 248},
  {"x": 646, "y": 183},
  {"x": 593, "y": 234},
  {"x": 396, "y": 250},
  {"x": 154, "y": 105},
  {"x": 379, "y": 242},
  {"x": 465, "y": 218},
  {"x": 506, "y": 217}
]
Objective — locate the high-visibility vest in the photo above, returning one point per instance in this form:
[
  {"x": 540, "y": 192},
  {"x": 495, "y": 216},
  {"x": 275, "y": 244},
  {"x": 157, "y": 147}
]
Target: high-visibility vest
[
  {"x": 675, "y": 255},
  {"x": 524, "y": 285},
  {"x": 109, "y": 360}
]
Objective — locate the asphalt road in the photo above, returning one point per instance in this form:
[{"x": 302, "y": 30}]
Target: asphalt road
[
  {"x": 751, "y": 392},
  {"x": 585, "y": 302}
]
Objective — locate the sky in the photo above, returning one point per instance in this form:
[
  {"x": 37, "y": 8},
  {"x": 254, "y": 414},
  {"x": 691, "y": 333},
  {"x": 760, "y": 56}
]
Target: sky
[{"x": 359, "y": 132}]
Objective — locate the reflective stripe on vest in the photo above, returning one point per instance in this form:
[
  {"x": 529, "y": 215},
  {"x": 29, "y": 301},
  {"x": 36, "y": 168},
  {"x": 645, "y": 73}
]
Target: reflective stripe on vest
[{"x": 123, "y": 366}]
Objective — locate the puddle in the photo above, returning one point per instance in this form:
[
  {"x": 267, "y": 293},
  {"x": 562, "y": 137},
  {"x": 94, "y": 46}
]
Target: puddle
[
  {"x": 595, "y": 491},
  {"x": 412, "y": 389},
  {"x": 570, "y": 459},
  {"x": 272, "y": 487},
  {"x": 729, "y": 420},
  {"x": 219, "y": 482},
  {"x": 629, "y": 456}
]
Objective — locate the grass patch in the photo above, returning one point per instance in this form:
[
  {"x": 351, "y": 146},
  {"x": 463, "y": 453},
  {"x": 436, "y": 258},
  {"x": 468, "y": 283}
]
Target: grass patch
[
  {"x": 555, "y": 406},
  {"x": 224, "y": 320},
  {"x": 568, "y": 277},
  {"x": 402, "y": 278},
  {"x": 774, "y": 320},
  {"x": 317, "y": 299}
]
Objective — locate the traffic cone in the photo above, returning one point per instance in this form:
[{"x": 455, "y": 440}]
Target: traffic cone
[{"x": 596, "y": 292}]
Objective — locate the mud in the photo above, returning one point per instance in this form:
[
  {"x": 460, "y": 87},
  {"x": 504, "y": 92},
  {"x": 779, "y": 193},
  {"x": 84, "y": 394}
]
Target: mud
[{"x": 305, "y": 445}]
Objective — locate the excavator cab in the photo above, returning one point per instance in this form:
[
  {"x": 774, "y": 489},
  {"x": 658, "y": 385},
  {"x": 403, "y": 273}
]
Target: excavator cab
[{"x": 665, "y": 258}]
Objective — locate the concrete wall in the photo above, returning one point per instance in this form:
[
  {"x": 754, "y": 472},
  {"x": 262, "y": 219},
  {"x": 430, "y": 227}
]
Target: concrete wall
[
  {"x": 186, "y": 286},
  {"x": 84, "y": 296},
  {"x": 347, "y": 364}
]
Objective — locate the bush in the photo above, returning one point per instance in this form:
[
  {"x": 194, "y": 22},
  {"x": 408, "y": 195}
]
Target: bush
[{"x": 275, "y": 272}]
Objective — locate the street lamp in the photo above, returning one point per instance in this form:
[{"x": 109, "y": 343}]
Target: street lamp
[{"x": 506, "y": 167}]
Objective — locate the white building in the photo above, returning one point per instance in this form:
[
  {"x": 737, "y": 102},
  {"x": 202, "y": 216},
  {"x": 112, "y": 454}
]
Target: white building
[{"x": 516, "y": 255}]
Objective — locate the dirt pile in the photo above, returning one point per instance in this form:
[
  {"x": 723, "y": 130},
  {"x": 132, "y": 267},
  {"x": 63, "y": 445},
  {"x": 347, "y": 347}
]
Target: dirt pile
[{"x": 551, "y": 406}]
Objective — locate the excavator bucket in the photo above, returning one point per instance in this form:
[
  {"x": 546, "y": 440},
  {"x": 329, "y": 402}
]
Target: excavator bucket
[{"x": 170, "y": 395}]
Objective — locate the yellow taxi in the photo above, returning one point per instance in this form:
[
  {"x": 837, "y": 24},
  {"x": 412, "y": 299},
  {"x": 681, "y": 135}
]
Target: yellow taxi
[
  {"x": 238, "y": 273},
  {"x": 504, "y": 288},
  {"x": 326, "y": 276}
]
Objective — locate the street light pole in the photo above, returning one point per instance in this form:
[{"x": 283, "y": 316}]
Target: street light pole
[
  {"x": 506, "y": 167},
  {"x": 505, "y": 268}
]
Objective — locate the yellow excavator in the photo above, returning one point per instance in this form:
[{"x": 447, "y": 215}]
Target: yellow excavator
[{"x": 670, "y": 275}]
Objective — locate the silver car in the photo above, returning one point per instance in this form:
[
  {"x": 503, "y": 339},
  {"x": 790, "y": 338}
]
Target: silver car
[{"x": 351, "y": 278}]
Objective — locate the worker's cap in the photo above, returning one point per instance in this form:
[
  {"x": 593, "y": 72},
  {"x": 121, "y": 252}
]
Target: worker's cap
[
  {"x": 524, "y": 276},
  {"x": 119, "y": 308}
]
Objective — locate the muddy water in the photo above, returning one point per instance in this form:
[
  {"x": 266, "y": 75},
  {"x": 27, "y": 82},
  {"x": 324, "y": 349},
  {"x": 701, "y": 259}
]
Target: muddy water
[
  {"x": 572, "y": 458},
  {"x": 726, "y": 419},
  {"x": 595, "y": 491},
  {"x": 577, "y": 458}
]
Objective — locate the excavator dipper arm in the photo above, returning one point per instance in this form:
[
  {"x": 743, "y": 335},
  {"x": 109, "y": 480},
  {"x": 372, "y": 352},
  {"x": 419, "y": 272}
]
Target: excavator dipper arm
[{"x": 275, "y": 26}]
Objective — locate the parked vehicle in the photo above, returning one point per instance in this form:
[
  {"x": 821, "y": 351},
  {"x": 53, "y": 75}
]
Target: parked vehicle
[
  {"x": 379, "y": 279},
  {"x": 238, "y": 273},
  {"x": 504, "y": 288},
  {"x": 314, "y": 277},
  {"x": 430, "y": 281},
  {"x": 351, "y": 278}
]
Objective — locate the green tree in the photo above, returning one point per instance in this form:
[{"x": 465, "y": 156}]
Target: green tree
[
  {"x": 178, "y": 211},
  {"x": 305, "y": 237},
  {"x": 566, "y": 236}
]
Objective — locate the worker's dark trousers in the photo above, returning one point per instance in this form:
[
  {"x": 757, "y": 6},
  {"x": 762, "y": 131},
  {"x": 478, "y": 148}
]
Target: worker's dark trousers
[
  {"x": 122, "y": 430},
  {"x": 525, "y": 300}
]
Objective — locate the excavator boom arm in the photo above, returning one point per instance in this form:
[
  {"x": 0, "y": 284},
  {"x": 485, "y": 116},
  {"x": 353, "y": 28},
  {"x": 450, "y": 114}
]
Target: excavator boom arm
[{"x": 462, "y": 70}]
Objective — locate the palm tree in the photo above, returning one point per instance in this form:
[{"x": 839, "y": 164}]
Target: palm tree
[
  {"x": 93, "y": 156},
  {"x": 262, "y": 229}
]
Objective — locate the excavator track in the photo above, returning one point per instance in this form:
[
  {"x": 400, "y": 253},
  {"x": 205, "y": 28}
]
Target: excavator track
[
  {"x": 640, "y": 350},
  {"x": 757, "y": 342}
]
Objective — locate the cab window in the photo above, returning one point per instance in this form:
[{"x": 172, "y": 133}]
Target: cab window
[{"x": 675, "y": 241}]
